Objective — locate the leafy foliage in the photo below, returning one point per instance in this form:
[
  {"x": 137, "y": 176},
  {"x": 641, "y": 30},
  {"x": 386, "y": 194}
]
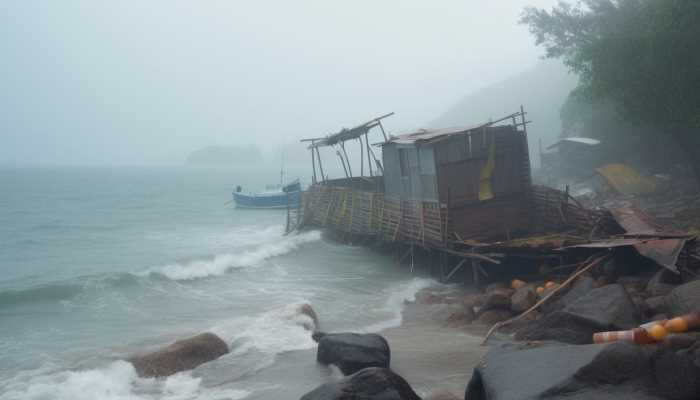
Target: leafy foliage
[{"x": 642, "y": 55}]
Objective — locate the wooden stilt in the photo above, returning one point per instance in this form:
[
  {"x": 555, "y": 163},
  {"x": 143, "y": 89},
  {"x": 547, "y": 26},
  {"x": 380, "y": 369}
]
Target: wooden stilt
[{"x": 455, "y": 269}]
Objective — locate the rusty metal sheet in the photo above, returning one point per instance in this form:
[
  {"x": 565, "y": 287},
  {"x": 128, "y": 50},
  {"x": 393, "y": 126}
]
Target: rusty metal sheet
[
  {"x": 634, "y": 220},
  {"x": 664, "y": 251}
]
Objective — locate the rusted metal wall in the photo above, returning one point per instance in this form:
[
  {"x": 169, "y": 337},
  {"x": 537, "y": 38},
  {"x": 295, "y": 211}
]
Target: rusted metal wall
[{"x": 460, "y": 161}]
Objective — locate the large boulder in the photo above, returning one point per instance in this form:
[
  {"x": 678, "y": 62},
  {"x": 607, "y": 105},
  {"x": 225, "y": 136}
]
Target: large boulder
[
  {"x": 607, "y": 308},
  {"x": 180, "y": 356},
  {"x": 677, "y": 372},
  {"x": 523, "y": 298},
  {"x": 684, "y": 299},
  {"x": 367, "y": 384},
  {"x": 493, "y": 316},
  {"x": 352, "y": 352},
  {"x": 656, "y": 305},
  {"x": 497, "y": 298},
  {"x": 609, "y": 371},
  {"x": 579, "y": 288},
  {"x": 662, "y": 283}
]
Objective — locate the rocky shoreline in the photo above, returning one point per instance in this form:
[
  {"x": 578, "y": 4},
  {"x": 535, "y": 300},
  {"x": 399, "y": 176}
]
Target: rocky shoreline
[{"x": 437, "y": 353}]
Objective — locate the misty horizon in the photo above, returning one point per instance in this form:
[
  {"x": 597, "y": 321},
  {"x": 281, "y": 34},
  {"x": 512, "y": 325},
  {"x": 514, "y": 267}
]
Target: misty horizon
[{"x": 130, "y": 83}]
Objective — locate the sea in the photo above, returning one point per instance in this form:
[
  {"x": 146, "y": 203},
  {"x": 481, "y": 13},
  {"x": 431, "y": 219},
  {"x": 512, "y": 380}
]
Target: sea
[{"x": 100, "y": 263}]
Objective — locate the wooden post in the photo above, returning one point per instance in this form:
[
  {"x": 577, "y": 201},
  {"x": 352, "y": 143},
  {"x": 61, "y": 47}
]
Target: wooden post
[
  {"x": 342, "y": 146},
  {"x": 369, "y": 152},
  {"x": 475, "y": 273},
  {"x": 313, "y": 162},
  {"x": 342, "y": 161},
  {"x": 320, "y": 165},
  {"x": 386, "y": 139},
  {"x": 362, "y": 156},
  {"x": 522, "y": 115}
]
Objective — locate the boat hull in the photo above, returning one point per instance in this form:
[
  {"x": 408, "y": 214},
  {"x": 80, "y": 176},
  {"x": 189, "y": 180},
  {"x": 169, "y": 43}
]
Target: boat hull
[{"x": 266, "y": 200}]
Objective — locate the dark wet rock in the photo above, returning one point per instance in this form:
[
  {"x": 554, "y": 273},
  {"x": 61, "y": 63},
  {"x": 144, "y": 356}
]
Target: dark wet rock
[
  {"x": 657, "y": 317},
  {"x": 352, "y": 352},
  {"x": 656, "y": 305},
  {"x": 366, "y": 384},
  {"x": 684, "y": 299},
  {"x": 618, "y": 362},
  {"x": 603, "y": 309},
  {"x": 677, "y": 373},
  {"x": 558, "y": 326},
  {"x": 562, "y": 372},
  {"x": 633, "y": 284},
  {"x": 680, "y": 341},
  {"x": 523, "y": 298},
  {"x": 607, "y": 307},
  {"x": 461, "y": 316},
  {"x": 497, "y": 298},
  {"x": 662, "y": 283},
  {"x": 180, "y": 356},
  {"x": 490, "y": 317},
  {"x": 580, "y": 288},
  {"x": 642, "y": 307}
]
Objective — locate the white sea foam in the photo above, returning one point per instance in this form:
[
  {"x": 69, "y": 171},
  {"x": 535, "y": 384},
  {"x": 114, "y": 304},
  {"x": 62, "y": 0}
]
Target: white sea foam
[
  {"x": 116, "y": 381},
  {"x": 274, "y": 245},
  {"x": 395, "y": 303},
  {"x": 268, "y": 334}
]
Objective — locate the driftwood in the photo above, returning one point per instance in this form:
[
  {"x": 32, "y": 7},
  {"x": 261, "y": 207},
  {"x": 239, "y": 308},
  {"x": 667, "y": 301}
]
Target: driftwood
[{"x": 571, "y": 278}]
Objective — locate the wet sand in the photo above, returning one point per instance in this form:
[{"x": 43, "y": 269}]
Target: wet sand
[{"x": 431, "y": 356}]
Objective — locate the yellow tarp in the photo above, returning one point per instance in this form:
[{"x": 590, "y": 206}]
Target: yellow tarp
[
  {"x": 626, "y": 179},
  {"x": 485, "y": 190}
]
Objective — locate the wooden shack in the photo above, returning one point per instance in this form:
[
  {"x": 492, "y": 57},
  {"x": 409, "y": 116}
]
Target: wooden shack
[{"x": 479, "y": 176}]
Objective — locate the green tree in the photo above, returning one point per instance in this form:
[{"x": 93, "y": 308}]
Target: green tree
[{"x": 641, "y": 55}]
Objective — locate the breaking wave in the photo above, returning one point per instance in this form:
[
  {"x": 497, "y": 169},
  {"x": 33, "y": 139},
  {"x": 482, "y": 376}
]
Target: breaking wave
[
  {"x": 275, "y": 246},
  {"x": 394, "y": 305},
  {"x": 269, "y": 334},
  {"x": 116, "y": 381}
]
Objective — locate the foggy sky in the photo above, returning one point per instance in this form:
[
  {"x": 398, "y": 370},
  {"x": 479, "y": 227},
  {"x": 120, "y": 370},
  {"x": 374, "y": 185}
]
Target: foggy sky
[{"x": 146, "y": 82}]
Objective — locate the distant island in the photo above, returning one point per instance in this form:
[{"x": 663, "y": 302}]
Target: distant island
[{"x": 224, "y": 156}]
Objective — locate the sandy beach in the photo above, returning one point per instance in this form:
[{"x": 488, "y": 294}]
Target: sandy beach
[{"x": 431, "y": 356}]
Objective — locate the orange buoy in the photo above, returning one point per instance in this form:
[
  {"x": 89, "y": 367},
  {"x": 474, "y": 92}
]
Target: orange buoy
[
  {"x": 683, "y": 323},
  {"x": 540, "y": 290},
  {"x": 657, "y": 332},
  {"x": 517, "y": 283},
  {"x": 677, "y": 324}
]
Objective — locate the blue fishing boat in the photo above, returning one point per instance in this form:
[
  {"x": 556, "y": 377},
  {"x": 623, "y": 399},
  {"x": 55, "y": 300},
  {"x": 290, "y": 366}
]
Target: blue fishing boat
[{"x": 279, "y": 197}]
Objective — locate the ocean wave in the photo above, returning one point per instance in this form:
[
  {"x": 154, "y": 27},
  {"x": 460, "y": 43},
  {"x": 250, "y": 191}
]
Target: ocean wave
[
  {"x": 62, "y": 291},
  {"x": 116, "y": 381},
  {"x": 37, "y": 294},
  {"x": 394, "y": 305},
  {"x": 268, "y": 334},
  {"x": 275, "y": 245}
]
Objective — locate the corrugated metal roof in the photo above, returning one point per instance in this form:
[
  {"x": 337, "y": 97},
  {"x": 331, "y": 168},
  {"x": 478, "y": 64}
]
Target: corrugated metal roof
[{"x": 427, "y": 135}]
